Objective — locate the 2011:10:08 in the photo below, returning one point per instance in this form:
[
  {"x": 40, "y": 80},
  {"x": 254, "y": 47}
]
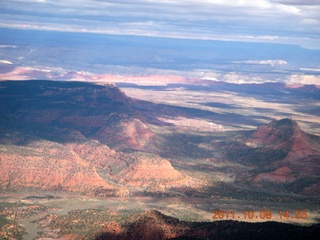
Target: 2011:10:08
[{"x": 263, "y": 214}]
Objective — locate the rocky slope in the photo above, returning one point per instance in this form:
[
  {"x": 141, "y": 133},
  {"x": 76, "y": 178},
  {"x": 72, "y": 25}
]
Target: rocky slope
[
  {"x": 106, "y": 139},
  {"x": 126, "y": 133},
  {"x": 281, "y": 153},
  {"x": 153, "y": 173},
  {"x": 88, "y": 167},
  {"x": 64, "y": 136},
  {"x": 137, "y": 169},
  {"x": 302, "y": 150},
  {"x": 50, "y": 166}
]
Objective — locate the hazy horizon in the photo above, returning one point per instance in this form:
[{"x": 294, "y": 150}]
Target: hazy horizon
[{"x": 233, "y": 41}]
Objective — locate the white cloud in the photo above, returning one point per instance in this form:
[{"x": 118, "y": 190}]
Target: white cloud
[
  {"x": 298, "y": 2},
  {"x": 288, "y": 9},
  {"x": 264, "y": 20},
  {"x": 311, "y": 22},
  {"x": 6, "y": 62}
]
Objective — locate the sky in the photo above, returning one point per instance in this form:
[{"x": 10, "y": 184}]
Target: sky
[{"x": 275, "y": 21}]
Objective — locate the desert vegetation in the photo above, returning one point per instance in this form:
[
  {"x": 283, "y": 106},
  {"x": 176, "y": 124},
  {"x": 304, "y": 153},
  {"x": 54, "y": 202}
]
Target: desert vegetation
[{"x": 93, "y": 140}]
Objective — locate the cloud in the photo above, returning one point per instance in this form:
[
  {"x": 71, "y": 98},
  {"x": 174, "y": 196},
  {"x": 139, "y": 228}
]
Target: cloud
[
  {"x": 311, "y": 22},
  {"x": 298, "y": 2},
  {"x": 283, "y": 20}
]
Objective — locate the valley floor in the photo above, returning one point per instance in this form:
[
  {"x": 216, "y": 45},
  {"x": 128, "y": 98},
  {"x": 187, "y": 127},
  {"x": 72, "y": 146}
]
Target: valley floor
[{"x": 184, "y": 209}]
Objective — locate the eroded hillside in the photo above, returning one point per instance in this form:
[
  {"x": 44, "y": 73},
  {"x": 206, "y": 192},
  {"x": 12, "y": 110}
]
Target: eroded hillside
[{"x": 93, "y": 139}]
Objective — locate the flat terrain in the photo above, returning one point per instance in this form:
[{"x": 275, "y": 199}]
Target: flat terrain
[{"x": 233, "y": 107}]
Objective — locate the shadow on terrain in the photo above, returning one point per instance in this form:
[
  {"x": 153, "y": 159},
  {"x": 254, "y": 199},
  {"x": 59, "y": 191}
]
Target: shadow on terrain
[
  {"x": 155, "y": 225},
  {"x": 74, "y": 111},
  {"x": 154, "y": 111},
  {"x": 313, "y": 110},
  {"x": 107, "y": 236}
]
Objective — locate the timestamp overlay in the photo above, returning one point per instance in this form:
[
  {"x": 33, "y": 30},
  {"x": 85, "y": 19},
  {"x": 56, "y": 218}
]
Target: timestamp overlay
[{"x": 298, "y": 215}]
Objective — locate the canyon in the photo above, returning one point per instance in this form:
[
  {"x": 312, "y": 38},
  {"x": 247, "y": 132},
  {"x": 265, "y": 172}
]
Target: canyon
[{"x": 95, "y": 140}]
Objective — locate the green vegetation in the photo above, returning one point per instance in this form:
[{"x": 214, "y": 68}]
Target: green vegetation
[
  {"x": 20, "y": 210},
  {"x": 87, "y": 222},
  {"x": 9, "y": 226},
  {"x": 3, "y": 221},
  {"x": 223, "y": 190},
  {"x": 299, "y": 185},
  {"x": 179, "y": 145},
  {"x": 5, "y": 205},
  {"x": 254, "y": 156}
]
